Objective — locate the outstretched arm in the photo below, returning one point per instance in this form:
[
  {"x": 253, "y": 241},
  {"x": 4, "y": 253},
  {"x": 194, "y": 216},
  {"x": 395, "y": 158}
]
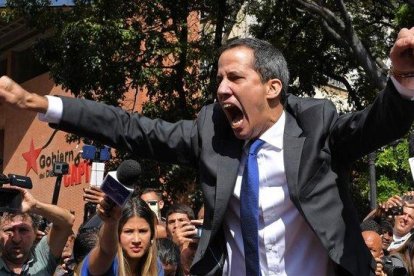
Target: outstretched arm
[
  {"x": 102, "y": 256},
  {"x": 15, "y": 95}
]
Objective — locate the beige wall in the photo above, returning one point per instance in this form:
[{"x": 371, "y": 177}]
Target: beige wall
[{"x": 23, "y": 128}]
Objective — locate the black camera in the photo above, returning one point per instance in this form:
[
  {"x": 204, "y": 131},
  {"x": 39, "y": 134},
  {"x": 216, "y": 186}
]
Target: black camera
[
  {"x": 43, "y": 224},
  {"x": 60, "y": 168},
  {"x": 394, "y": 211},
  {"x": 392, "y": 266},
  {"x": 10, "y": 200},
  {"x": 16, "y": 180}
]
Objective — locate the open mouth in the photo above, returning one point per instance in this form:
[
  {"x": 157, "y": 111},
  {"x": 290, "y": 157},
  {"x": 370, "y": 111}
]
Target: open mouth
[{"x": 234, "y": 115}]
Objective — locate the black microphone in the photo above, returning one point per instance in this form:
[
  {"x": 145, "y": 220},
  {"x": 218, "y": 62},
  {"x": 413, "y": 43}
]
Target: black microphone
[
  {"x": 16, "y": 180},
  {"x": 128, "y": 173},
  {"x": 118, "y": 186}
]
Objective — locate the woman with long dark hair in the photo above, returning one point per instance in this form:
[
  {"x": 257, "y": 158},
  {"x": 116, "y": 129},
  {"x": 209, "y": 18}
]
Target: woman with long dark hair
[{"x": 126, "y": 243}]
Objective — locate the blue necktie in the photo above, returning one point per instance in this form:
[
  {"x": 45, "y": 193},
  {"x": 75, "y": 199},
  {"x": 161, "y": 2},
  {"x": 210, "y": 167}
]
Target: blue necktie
[{"x": 249, "y": 210}]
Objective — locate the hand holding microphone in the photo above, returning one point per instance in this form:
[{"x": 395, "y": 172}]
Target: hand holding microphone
[
  {"x": 108, "y": 211},
  {"x": 93, "y": 195}
]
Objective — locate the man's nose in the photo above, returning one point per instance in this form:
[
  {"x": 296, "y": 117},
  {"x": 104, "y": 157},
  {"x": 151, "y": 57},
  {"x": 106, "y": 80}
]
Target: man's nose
[
  {"x": 223, "y": 88},
  {"x": 16, "y": 237},
  {"x": 176, "y": 224}
]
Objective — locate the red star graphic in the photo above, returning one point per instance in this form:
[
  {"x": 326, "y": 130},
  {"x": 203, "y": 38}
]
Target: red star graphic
[{"x": 31, "y": 157}]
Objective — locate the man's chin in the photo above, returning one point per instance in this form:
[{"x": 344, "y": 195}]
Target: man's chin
[
  {"x": 16, "y": 258},
  {"x": 241, "y": 133}
]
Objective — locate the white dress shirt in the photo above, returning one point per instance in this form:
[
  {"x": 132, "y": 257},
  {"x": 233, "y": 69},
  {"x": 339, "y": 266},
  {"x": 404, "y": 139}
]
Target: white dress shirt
[{"x": 287, "y": 245}]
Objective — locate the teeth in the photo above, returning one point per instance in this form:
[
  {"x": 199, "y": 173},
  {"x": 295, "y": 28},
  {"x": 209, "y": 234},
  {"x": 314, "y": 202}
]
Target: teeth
[
  {"x": 226, "y": 105},
  {"x": 236, "y": 124}
]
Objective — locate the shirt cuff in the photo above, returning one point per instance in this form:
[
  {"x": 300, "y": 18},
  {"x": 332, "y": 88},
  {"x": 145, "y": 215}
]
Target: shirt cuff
[
  {"x": 404, "y": 92},
  {"x": 54, "y": 110}
]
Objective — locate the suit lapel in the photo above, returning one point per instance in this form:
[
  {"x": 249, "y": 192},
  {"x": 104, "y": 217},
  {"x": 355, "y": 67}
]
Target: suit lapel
[
  {"x": 293, "y": 145},
  {"x": 227, "y": 167}
]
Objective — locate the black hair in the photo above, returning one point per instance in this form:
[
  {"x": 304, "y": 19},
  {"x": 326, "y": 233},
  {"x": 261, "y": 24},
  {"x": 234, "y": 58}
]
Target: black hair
[
  {"x": 36, "y": 219},
  {"x": 168, "y": 251},
  {"x": 85, "y": 240},
  {"x": 269, "y": 62},
  {"x": 386, "y": 226},
  {"x": 181, "y": 209},
  {"x": 152, "y": 190},
  {"x": 371, "y": 225}
]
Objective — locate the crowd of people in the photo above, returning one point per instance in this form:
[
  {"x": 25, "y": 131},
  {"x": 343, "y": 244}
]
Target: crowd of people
[
  {"x": 388, "y": 233},
  {"x": 274, "y": 170},
  {"x": 136, "y": 237},
  {"x": 126, "y": 239}
]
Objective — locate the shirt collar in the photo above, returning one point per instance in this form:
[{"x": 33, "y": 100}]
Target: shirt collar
[{"x": 274, "y": 135}]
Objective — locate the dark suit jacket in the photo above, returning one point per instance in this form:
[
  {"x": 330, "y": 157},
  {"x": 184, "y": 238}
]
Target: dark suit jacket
[{"x": 319, "y": 147}]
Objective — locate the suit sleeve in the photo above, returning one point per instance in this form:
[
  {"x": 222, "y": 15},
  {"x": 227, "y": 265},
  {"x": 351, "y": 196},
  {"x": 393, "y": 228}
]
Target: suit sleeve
[
  {"x": 388, "y": 118},
  {"x": 144, "y": 137}
]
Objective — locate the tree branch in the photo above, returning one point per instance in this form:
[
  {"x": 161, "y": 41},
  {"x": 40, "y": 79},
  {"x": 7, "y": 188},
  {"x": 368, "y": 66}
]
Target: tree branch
[
  {"x": 324, "y": 13},
  {"x": 344, "y": 13},
  {"x": 334, "y": 34},
  {"x": 351, "y": 92},
  {"x": 345, "y": 35}
]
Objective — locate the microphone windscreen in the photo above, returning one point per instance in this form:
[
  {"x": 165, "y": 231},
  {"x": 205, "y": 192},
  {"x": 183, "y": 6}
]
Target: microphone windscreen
[{"x": 128, "y": 172}]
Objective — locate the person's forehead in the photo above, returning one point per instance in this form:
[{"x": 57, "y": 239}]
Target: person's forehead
[
  {"x": 238, "y": 56},
  {"x": 371, "y": 236},
  {"x": 16, "y": 221},
  {"x": 409, "y": 211},
  {"x": 177, "y": 216},
  {"x": 136, "y": 222},
  {"x": 150, "y": 196}
]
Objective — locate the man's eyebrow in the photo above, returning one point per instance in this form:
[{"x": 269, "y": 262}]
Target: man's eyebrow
[{"x": 234, "y": 72}]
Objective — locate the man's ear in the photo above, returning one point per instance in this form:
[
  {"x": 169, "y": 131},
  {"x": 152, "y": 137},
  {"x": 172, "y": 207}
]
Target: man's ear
[
  {"x": 274, "y": 88},
  {"x": 161, "y": 204}
]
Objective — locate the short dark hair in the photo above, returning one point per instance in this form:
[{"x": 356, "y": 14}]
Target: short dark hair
[
  {"x": 269, "y": 62},
  {"x": 371, "y": 225},
  {"x": 386, "y": 226},
  {"x": 152, "y": 190},
  {"x": 85, "y": 240},
  {"x": 36, "y": 219},
  {"x": 168, "y": 251},
  {"x": 181, "y": 209}
]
